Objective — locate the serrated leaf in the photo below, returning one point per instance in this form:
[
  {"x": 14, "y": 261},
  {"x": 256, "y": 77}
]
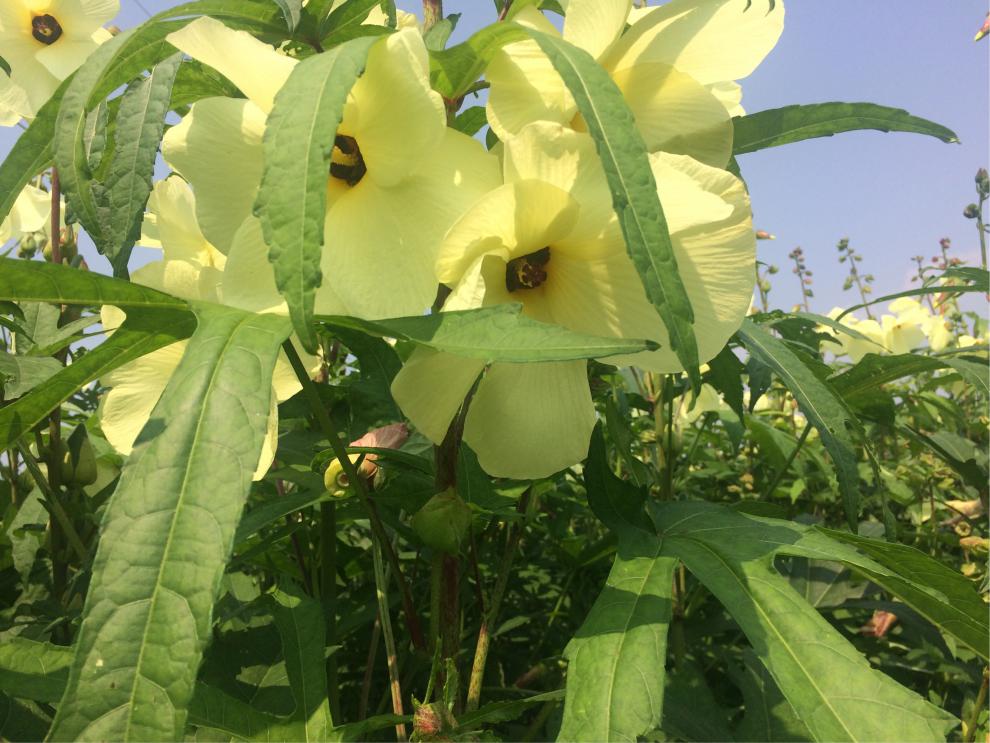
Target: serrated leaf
[
  {"x": 167, "y": 534},
  {"x": 942, "y": 595},
  {"x": 140, "y": 334},
  {"x": 615, "y": 672},
  {"x": 122, "y": 197},
  {"x": 499, "y": 333},
  {"x": 112, "y": 64},
  {"x": 34, "y": 281},
  {"x": 778, "y": 126},
  {"x": 873, "y": 370},
  {"x": 819, "y": 403},
  {"x": 830, "y": 685},
  {"x": 298, "y": 142},
  {"x": 634, "y": 191}
]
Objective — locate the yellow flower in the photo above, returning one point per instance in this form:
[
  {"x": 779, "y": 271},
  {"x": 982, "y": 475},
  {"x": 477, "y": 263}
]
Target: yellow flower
[
  {"x": 398, "y": 179},
  {"x": 13, "y": 101},
  {"x": 30, "y": 213},
  {"x": 676, "y": 65},
  {"x": 548, "y": 239},
  {"x": 192, "y": 269},
  {"x": 44, "y": 41}
]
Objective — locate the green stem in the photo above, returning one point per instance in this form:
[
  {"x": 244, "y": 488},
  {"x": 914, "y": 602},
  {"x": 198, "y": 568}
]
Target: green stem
[
  {"x": 790, "y": 460},
  {"x": 51, "y": 503},
  {"x": 969, "y": 733},
  {"x": 328, "y": 595},
  {"x": 489, "y": 618},
  {"x": 357, "y": 481},
  {"x": 390, "y": 649}
]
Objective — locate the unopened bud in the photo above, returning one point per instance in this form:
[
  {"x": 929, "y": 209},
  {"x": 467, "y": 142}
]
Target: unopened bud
[
  {"x": 945, "y": 243},
  {"x": 972, "y": 211},
  {"x": 984, "y": 29},
  {"x": 983, "y": 181},
  {"x": 764, "y": 235},
  {"x": 444, "y": 521}
]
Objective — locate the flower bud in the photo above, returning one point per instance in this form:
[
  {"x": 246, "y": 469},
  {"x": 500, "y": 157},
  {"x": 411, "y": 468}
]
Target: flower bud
[
  {"x": 982, "y": 181},
  {"x": 984, "y": 31},
  {"x": 444, "y": 521},
  {"x": 764, "y": 235},
  {"x": 972, "y": 211},
  {"x": 79, "y": 470}
]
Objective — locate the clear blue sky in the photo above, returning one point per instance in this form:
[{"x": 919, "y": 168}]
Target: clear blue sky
[{"x": 894, "y": 195}]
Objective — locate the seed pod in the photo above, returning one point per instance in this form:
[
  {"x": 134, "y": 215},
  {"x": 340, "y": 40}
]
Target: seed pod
[{"x": 444, "y": 521}]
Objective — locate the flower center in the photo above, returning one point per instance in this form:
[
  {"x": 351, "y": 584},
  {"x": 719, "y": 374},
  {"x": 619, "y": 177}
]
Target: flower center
[
  {"x": 46, "y": 29},
  {"x": 527, "y": 272},
  {"x": 346, "y": 162}
]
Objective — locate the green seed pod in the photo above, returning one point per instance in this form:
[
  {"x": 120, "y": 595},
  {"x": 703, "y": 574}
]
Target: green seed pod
[
  {"x": 443, "y": 522},
  {"x": 79, "y": 470}
]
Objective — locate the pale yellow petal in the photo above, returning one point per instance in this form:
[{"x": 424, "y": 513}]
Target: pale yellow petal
[
  {"x": 715, "y": 257},
  {"x": 594, "y": 24},
  {"x": 528, "y": 421},
  {"x": 395, "y": 90},
  {"x": 65, "y": 56},
  {"x": 253, "y": 66},
  {"x": 676, "y": 114},
  {"x": 373, "y": 266},
  {"x": 711, "y": 40},
  {"x": 270, "y": 443},
  {"x": 525, "y": 87},
  {"x": 555, "y": 154},
  {"x": 80, "y": 17},
  {"x": 729, "y": 94},
  {"x": 513, "y": 220},
  {"x": 31, "y": 211},
  {"x": 217, "y": 147},
  {"x": 248, "y": 278},
  {"x": 14, "y": 104},
  {"x": 174, "y": 207},
  {"x": 135, "y": 390},
  {"x": 430, "y": 388}
]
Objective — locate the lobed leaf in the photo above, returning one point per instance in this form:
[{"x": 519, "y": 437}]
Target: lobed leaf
[
  {"x": 167, "y": 534},
  {"x": 122, "y": 197},
  {"x": 140, "y": 334},
  {"x": 298, "y": 142}
]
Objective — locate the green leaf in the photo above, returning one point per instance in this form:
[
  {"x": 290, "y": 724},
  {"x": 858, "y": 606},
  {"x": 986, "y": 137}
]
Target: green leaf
[
  {"x": 778, "y": 126},
  {"x": 261, "y": 16},
  {"x": 634, "y": 191},
  {"x": 20, "y": 374},
  {"x": 767, "y": 714},
  {"x": 140, "y": 334},
  {"x": 31, "y": 153},
  {"x": 942, "y": 595},
  {"x": 167, "y": 534},
  {"x": 471, "y": 120},
  {"x": 301, "y": 625},
  {"x": 347, "y": 15},
  {"x": 453, "y": 71},
  {"x": 823, "y": 408},
  {"x": 121, "y": 198},
  {"x": 831, "y": 686},
  {"x": 34, "y": 281},
  {"x": 979, "y": 281},
  {"x": 291, "y": 12},
  {"x": 873, "y": 371},
  {"x": 500, "y": 333},
  {"x": 298, "y": 142},
  {"x": 615, "y": 671},
  {"x": 33, "y": 670},
  {"x": 117, "y": 61}
]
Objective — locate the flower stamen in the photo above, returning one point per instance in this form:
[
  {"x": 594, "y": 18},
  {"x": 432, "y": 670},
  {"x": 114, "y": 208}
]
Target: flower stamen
[
  {"x": 346, "y": 162},
  {"x": 46, "y": 29},
  {"x": 527, "y": 272}
]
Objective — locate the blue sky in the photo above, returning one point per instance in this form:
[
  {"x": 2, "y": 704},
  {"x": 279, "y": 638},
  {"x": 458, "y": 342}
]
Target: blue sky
[{"x": 893, "y": 195}]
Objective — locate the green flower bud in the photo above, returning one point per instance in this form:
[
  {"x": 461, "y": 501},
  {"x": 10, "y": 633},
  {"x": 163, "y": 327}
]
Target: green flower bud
[
  {"x": 972, "y": 211},
  {"x": 80, "y": 470},
  {"x": 444, "y": 521}
]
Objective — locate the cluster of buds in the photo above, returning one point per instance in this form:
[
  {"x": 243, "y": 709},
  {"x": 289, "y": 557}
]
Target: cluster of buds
[
  {"x": 804, "y": 275},
  {"x": 944, "y": 261},
  {"x": 860, "y": 281},
  {"x": 974, "y": 211}
]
